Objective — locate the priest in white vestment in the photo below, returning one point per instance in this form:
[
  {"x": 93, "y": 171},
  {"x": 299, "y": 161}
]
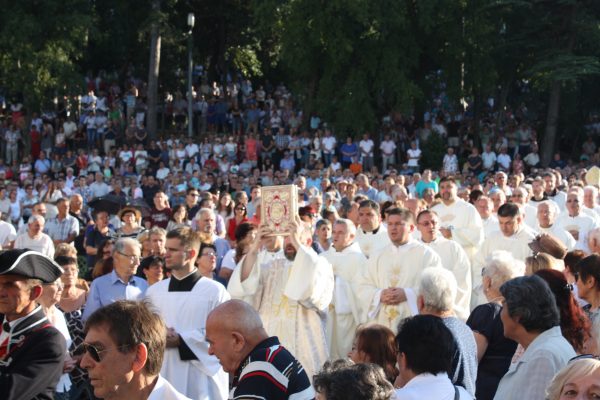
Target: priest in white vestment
[
  {"x": 453, "y": 257},
  {"x": 371, "y": 235},
  {"x": 575, "y": 221},
  {"x": 520, "y": 197},
  {"x": 485, "y": 208},
  {"x": 590, "y": 199},
  {"x": 184, "y": 302},
  {"x": 460, "y": 221},
  {"x": 291, "y": 294},
  {"x": 514, "y": 236},
  {"x": 348, "y": 263},
  {"x": 546, "y": 214},
  {"x": 552, "y": 192},
  {"x": 387, "y": 288}
]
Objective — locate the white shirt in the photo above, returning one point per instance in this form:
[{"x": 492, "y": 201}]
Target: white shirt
[
  {"x": 388, "y": 147},
  {"x": 329, "y": 144},
  {"x": 428, "y": 386},
  {"x": 366, "y": 147},
  {"x": 163, "y": 390},
  {"x": 489, "y": 159}
]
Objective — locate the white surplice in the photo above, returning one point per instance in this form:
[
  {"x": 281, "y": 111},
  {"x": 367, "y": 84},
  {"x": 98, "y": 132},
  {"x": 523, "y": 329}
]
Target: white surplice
[
  {"x": 186, "y": 312},
  {"x": 517, "y": 245},
  {"x": 455, "y": 260},
  {"x": 292, "y": 299},
  {"x": 344, "y": 311},
  {"x": 582, "y": 223},
  {"x": 465, "y": 222},
  {"x": 561, "y": 234},
  {"x": 371, "y": 243},
  {"x": 490, "y": 225},
  {"x": 394, "y": 266}
]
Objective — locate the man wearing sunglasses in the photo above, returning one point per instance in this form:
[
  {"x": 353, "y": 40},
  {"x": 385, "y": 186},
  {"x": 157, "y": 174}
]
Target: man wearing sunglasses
[
  {"x": 123, "y": 352},
  {"x": 32, "y": 351}
]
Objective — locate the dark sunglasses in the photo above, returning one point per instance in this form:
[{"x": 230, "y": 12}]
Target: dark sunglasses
[
  {"x": 92, "y": 351},
  {"x": 241, "y": 209}
]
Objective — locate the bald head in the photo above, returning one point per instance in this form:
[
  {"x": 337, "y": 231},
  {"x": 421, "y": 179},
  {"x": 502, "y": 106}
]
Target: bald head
[
  {"x": 233, "y": 330},
  {"x": 594, "y": 240},
  {"x": 236, "y": 315}
]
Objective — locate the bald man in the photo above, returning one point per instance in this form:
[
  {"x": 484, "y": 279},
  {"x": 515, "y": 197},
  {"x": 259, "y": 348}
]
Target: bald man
[
  {"x": 594, "y": 240},
  {"x": 262, "y": 367}
]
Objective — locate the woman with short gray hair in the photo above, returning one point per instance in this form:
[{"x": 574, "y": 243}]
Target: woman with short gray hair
[
  {"x": 531, "y": 318},
  {"x": 494, "y": 351}
]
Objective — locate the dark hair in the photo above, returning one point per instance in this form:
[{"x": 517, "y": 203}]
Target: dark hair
[
  {"x": 206, "y": 246},
  {"x": 530, "y": 299},
  {"x": 404, "y": 213},
  {"x": 589, "y": 267},
  {"x": 572, "y": 258},
  {"x": 574, "y": 324},
  {"x": 149, "y": 261},
  {"x": 357, "y": 382},
  {"x": 243, "y": 230},
  {"x": 475, "y": 195},
  {"x": 427, "y": 344},
  {"x": 369, "y": 204},
  {"x": 131, "y": 323},
  {"x": 177, "y": 208},
  {"x": 510, "y": 210},
  {"x": 188, "y": 238},
  {"x": 447, "y": 179},
  {"x": 65, "y": 260},
  {"x": 377, "y": 341}
]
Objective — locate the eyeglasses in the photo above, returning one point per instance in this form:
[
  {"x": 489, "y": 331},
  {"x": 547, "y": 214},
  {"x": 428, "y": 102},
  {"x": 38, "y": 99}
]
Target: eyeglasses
[
  {"x": 194, "y": 194},
  {"x": 93, "y": 351},
  {"x": 241, "y": 209},
  {"x": 211, "y": 254},
  {"x": 131, "y": 257}
]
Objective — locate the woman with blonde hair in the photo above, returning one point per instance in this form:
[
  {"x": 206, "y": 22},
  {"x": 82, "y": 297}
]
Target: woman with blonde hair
[
  {"x": 538, "y": 262},
  {"x": 580, "y": 379},
  {"x": 144, "y": 239}
]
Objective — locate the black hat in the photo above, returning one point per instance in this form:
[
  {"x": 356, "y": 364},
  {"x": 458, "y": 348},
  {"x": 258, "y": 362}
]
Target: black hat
[{"x": 30, "y": 264}]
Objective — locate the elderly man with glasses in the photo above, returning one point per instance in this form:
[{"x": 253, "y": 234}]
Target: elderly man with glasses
[{"x": 121, "y": 283}]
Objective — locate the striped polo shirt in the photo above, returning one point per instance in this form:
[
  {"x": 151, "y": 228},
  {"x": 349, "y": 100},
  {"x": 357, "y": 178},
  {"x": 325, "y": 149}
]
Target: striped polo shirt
[{"x": 270, "y": 372}]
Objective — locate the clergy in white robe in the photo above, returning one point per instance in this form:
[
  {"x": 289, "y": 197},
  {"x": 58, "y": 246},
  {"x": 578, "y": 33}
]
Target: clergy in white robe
[
  {"x": 520, "y": 197},
  {"x": 590, "y": 199},
  {"x": 575, "y": 221},
  {"x": 485, "y": 208},
  {"x": 348, "y": 263},
  {"x": 514, "y": 236},
  {"x": 460, "y": 221},
  {"x": 552, "y": 192},
  {"x": 184, "y": 302},
  {"x": 291, "y": 294},
  {"x": 372, "y": 236},
  {"x": 546, "y": 214},
  {"x": 387, "y": 288},
  {"x": 453, "y": 257}
]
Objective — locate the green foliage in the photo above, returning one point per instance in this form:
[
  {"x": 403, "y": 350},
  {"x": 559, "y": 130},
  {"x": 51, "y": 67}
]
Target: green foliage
[
  {"x": 434, "y": 149},
  {"x": 38, "y": 54}
]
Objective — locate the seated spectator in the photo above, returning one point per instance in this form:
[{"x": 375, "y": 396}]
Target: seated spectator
[
  {"x": 531, "y": 318},
  {"x": 421, "y": 375},
  {"x": 104, "y": 259},
  {"x": 437, "y": 291},
  {"x": 494, "y": 351},
  {"x": 131, "y": 218},
  {"x": 35, "y": 238},
  {"x": 375, "y": 344},
  {"x": 179, "y": 218},
  {"x": 153, "y": 269},
  {"x": 580, "y": 379},
  {"x": 245, "y": 233},
  {"x": 362, "y": 381}
]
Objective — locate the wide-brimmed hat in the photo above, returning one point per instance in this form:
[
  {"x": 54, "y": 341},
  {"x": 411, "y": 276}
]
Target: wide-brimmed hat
[
  {"x": 128, "y": 209},
  {"x": 29, "y": 264}
]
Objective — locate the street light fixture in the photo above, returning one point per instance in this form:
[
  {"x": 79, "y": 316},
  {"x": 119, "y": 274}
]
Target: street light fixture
[{"x": 190, "y": 21}]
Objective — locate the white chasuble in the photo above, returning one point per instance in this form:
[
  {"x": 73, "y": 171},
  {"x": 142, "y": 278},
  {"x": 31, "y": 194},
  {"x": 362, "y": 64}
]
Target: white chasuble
[
  {"x": 292, "y": 299},
  {"x": 371, "y": 243},
  {"x": 344, "y": 311},
  {"x": 464, "y": 221},
  {"x": 186, "y": 312},
  {"x": 394, "y": 266}
]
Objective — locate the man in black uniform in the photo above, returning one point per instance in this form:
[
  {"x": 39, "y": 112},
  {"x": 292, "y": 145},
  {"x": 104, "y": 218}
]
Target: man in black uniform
[{"x": 32, "y": 351}]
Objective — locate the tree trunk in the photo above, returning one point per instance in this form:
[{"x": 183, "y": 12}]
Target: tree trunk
[
  {"x": 153, "y": 71},
  {"x": 551, "y": 124}
]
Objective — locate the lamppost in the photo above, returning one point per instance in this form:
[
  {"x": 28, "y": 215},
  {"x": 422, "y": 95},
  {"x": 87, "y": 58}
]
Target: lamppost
[{"x": 190, "y": 22}]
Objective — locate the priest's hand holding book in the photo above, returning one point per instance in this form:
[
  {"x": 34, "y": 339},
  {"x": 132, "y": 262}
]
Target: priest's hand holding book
[{"x": 173, "y": 338}]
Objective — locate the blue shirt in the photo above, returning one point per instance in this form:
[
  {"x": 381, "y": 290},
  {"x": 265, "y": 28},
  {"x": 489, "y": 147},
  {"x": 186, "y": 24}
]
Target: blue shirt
[{"x": 109, "y": 288}]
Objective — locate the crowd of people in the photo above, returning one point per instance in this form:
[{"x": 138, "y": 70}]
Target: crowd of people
[{"x": 491, "y": 264}]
